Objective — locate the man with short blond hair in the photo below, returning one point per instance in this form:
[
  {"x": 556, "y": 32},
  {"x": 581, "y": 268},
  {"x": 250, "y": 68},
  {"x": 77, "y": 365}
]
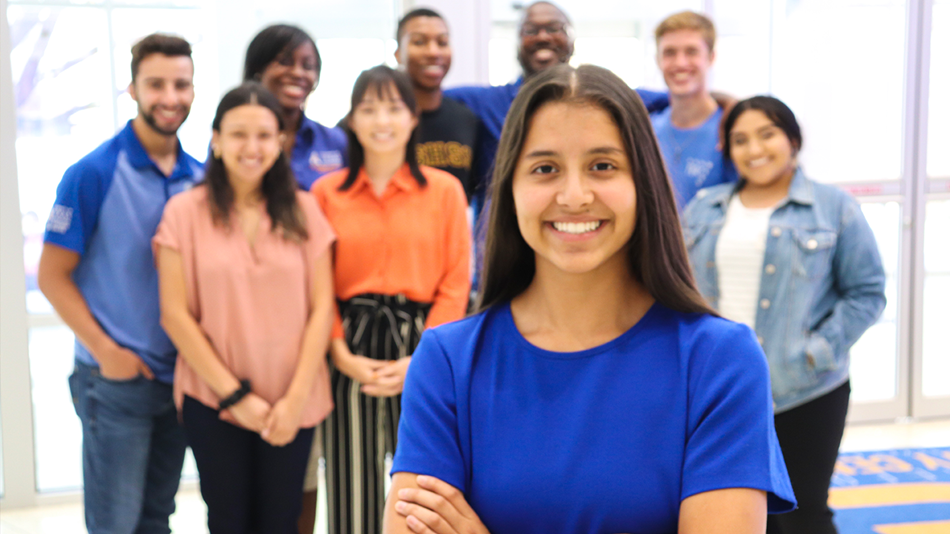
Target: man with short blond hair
[{"x": 688, "y": 130}]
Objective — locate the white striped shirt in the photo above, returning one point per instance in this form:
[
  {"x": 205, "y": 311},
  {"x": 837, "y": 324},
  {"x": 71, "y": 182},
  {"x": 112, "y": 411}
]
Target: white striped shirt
[{"x": 739, "y": 255}]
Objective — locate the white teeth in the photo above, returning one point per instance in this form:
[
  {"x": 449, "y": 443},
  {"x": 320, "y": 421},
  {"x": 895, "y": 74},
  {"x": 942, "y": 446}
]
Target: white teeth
[
  {"x": 758, "y": 162},
  {"x": 576, "y": 228}
]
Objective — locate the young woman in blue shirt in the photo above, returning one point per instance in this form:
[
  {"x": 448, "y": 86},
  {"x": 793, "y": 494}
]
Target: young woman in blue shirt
[
  {"x": 797, "y": 261},
  {"x": 595, "y": 391}
]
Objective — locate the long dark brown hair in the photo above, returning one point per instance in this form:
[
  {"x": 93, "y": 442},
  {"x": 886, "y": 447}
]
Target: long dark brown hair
[
  {"x": 279, "y": 187},
  {"x": 656, "y": 254},
  {"x": 381, "y": 79}
]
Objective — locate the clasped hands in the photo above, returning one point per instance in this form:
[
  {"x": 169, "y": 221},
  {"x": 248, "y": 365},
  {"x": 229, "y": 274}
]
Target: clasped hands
[
  {"x": 277, "y": 424},
  {"x": 378, "y": 378}
]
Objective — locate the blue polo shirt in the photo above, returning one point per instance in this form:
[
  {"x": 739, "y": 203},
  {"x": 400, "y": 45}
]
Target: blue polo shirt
[
  {"x": 318, "y": 150},
  {"x": 107, "y": 209}
]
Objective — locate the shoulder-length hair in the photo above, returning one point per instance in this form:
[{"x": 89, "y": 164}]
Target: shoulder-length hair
[
  {"x": 776, "y": 111},
  {"x": 656, "y": 254},
  {"x": 381, "y": 79},
  {"x": 279, "y": 187}
]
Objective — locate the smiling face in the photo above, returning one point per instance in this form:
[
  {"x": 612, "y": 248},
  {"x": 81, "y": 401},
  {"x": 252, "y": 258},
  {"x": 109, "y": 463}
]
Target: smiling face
[
  {"x": 684, "y": 58},
  {"x": 545, "y": 38},
  {"x": 381, "y": 121},
  {"x": 249, "y": 143},
  {"x": 425, "y": 53},
  {"x": 164, "y": 90},
  {"x": 292, "y": 76},
  {"x": 764, "y": 156},
  {"x": 573, "y": 189}
]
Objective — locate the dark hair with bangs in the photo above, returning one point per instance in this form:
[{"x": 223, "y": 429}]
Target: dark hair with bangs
[
  {"x": 273, "y": 43},
  {"x": 657, "y": 257},
  {"x": 381, "y": 79},
  {"x": 279, "y": 187},
  {"x": 777, "y": 112},
  {"x": 158, "y": 43},
  {"x": 415, "y": 13}
]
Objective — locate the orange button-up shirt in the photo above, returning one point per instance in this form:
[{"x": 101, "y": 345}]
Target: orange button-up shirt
[{"x": 411, "y": 240}]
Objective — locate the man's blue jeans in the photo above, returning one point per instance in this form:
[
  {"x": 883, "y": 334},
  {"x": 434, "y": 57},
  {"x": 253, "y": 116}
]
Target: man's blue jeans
[{"x": 132, "y": 449}]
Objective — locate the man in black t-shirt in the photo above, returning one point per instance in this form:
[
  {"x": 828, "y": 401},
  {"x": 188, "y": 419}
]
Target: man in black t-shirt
[{"x": 448, "y": 130}]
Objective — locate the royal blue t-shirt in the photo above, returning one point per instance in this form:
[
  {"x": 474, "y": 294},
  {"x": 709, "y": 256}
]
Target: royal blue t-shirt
[
  {"x": 691, "y": 155},
  {"x": 318, "y": 150},
  {"x": 108, "y": 206},
  {"x": 605, "y": 440}
]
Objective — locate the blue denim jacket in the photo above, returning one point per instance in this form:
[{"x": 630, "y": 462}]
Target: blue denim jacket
[{"x": 822, "y": 282}]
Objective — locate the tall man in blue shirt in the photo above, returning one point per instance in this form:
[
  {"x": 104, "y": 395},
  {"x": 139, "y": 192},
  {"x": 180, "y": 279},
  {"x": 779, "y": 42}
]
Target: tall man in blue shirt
[
  {"x": 688, "y": 130},
  {"x": 547, "y": 39},
  {"x": 98, "y": 272}
]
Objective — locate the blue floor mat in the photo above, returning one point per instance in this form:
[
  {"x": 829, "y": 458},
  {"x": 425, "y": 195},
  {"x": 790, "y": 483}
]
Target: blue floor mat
[{"x": 903, "y": 491}]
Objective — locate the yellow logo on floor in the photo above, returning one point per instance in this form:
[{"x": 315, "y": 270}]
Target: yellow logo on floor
[{"x": 892, "y": 492}]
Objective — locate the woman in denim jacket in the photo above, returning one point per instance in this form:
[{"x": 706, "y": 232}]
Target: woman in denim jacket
[{"x": 797, "y": 261}]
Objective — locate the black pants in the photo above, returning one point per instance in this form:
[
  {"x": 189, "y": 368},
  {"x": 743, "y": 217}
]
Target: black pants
[
  {"x": 249, "y": 485},
  {"x": 810, "y": 436},
  {"x": 362, "y": 430}
]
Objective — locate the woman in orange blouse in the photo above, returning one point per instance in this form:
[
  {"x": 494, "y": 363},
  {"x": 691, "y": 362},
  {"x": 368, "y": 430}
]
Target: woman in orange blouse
[{"x": 401, "y": 264}]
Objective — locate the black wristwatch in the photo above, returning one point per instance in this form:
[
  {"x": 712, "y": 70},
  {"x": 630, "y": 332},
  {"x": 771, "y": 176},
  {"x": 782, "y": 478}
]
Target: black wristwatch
[{"x": 235, "y": 397}]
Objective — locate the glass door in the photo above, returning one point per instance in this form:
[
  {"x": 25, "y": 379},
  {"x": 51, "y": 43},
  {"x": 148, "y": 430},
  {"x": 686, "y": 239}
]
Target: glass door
[{"x": 932, "y": 357}]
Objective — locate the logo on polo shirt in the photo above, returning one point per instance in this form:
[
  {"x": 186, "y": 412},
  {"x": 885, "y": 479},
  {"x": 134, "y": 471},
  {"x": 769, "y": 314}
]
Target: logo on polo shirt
[
  {"x": 326, "y": 161},
  {"x": 60, "y": 219}
]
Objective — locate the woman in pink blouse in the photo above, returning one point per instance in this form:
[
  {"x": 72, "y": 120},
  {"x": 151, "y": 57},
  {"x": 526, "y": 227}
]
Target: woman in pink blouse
[{"x": 247, "y": 297}]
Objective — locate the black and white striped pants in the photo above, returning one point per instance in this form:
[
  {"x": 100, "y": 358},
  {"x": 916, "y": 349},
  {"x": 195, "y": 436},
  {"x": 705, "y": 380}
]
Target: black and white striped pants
[{"x": 362, "y": 429}]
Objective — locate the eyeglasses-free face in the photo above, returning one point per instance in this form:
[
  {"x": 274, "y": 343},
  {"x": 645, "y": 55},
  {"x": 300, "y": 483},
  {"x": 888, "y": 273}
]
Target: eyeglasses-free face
[
  {"x": 292, "y": 76},
  {"x": 764, "y": 156},
  {"x": 382, "y": 122},
  {"x": 573, "y": 190},
  {"x": 425, "y": 52}
]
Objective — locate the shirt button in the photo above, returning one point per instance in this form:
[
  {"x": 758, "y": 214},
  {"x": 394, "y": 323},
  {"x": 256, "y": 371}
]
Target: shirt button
[
  {"x": 776, "y": 231},
  {"x": 710, "y": 264},
  {"x": 811, "y": 244},
  {"x": 770, "y": 269},
  {"x": 765, "y": 304}
]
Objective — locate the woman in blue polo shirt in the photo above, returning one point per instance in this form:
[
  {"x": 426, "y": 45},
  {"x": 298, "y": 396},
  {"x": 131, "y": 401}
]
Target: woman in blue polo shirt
[
  {"x": 285, "y": 60},
  {"x": 595, "y": 392},
  {"x": 797, "y": 261}
]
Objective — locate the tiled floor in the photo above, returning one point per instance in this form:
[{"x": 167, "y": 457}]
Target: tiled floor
[{"x": 191, "y": 514}]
